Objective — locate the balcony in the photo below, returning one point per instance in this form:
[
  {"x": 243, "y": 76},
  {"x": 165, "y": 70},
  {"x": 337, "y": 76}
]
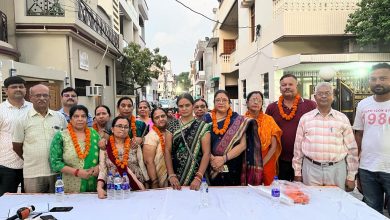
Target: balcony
[
  {"x": 3, "y": 27},
  {"x": 200, "y": 78},
  {"x": 310, "y": 17},
  {"x": 228, "y": 62},
  {"x": 45, "y": 8}
]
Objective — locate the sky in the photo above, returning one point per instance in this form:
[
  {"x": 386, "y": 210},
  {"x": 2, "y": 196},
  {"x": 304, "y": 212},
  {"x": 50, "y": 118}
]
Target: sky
[{"x": 176, "y": 30}]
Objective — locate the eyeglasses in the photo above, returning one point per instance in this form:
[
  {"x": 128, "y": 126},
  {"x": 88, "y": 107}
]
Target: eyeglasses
[
  {"x": 124, "y": 127},
  {"x": 324, "y": 93},
  {"x": 69, "y": 95},
  {"x": 199, "y": 106},
  {"x": 223, "y": 101},
  {"x": 45, "y": 96}
]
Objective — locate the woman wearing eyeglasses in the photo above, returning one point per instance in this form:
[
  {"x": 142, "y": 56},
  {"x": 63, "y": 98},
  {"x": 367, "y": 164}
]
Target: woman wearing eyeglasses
[
  {"x": 200, "y": 108},
  {"x": 235, "y": 146},
  {"x": 74, "y": 152},
  {"x": 269, "y": 133},
  {"x": 188, "y": 156},
  {"x": 118, "y": 158}
]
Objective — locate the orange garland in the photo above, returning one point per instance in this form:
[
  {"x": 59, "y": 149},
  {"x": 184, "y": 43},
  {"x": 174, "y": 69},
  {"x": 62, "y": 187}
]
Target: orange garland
[
  {"x": 293, "y": 109},
  {"x": 259, "y": 118},
  {"x": 126, "y": 152},
  {"x": 160, "y": 136},
  {"x": 76, "y": 144},
  {"x": 95, "y": 126},
  {"x": 133, "y": 127},
  {"x": 225, "y": 124}
]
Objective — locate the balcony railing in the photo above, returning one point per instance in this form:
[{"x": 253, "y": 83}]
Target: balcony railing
[
  {"x": 96, "y": 23},
  {"x": 200, "y": 77},
  {"x": 228, "y": 64},
  {"x": 3, "y": 27},
  {"x": 44, "y": 8}
]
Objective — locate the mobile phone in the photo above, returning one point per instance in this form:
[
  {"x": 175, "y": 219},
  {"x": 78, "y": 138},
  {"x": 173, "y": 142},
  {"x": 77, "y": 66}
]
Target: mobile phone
[
  {"x": 48, "y": 217},
  {"x": 61, "y": 209}
]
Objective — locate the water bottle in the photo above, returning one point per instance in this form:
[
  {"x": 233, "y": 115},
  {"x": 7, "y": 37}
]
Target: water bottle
[
  {"x": 118, "y": 194},
  {"x": 126, "y": 186},
  {"x": 110, "y": 186},
  {"x": 59, "y": 189},
  {"x": 275, "y": 192},
  {"x": 204, "y": 193}
]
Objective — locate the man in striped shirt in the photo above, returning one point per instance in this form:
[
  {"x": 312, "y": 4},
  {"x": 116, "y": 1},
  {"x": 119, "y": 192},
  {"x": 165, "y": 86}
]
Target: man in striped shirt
[{"x": 325, "y": 150}]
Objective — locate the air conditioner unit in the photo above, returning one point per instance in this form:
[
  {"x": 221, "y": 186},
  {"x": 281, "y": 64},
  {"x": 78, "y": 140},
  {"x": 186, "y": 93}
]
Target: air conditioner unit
[{"x": 94, "y": 90}]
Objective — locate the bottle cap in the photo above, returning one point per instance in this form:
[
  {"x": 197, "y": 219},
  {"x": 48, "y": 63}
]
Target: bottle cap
[
  {"x": 59, "y": 177},
  {"x": 275, "y": 177},
  {"x": 204, "y": 179}
]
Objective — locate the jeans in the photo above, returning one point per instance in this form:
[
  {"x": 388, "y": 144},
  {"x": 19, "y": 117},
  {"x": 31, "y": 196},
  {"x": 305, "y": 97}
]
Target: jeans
[
  {"x": 10, "y": 179},
  {"x": 374, "y": 185}
]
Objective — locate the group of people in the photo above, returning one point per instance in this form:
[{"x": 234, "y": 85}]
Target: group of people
[{"x": 295, "y": 138}]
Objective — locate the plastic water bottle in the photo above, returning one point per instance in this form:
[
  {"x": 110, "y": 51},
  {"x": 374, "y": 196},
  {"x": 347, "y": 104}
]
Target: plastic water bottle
[
  {"x": 59, "y": 189},
  {"x": 110, "y": 186},
  {"x": 126, "y": 186},
  {"x": 204, "y": 193},
  {"x": 275, "y": 192},
  {"x": 118, "y": 194}
]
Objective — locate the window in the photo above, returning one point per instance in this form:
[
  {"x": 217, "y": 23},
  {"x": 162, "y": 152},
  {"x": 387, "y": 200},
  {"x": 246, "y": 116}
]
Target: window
[
  {"x": 229, "y": 46},
  {"x": 80, "y": 86},
  {"x": 266, "y": 86},
  {"x": 108, "y": 76},
  {"x": 244, "y": 89},
  {"x": 253, "y": 26}
]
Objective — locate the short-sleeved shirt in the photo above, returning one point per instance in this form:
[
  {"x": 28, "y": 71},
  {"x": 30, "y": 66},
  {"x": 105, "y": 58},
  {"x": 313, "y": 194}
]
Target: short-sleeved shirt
[
  {"x": 9, "y": 114},
  {"x": 36, "y": 133},
  {"x": 289, "y": 128},
  {"x": 373, "y": 118}
]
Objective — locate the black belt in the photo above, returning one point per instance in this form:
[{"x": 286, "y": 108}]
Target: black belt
[{"x": 322, "y": 164}]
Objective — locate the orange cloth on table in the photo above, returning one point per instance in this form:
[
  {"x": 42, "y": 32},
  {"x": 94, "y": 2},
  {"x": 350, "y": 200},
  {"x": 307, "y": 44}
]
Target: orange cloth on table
[{"x": 267, "y": 128}]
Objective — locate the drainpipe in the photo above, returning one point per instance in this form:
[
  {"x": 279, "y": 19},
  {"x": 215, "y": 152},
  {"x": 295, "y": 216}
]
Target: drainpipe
[{"x": 69, "y": 47}]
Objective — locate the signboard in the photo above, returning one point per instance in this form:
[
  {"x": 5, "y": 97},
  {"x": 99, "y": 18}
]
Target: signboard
[{"x": 83, "y": 60}]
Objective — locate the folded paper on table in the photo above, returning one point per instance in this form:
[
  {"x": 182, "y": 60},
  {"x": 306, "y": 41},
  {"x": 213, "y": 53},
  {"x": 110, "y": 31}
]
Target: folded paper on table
[{"x": 266, "y": 192}]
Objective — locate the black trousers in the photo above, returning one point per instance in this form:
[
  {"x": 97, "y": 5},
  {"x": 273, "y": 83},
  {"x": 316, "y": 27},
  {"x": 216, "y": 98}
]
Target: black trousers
[
  {"x": 286, "y": 171},
  {"x": 10, "y": 180}
]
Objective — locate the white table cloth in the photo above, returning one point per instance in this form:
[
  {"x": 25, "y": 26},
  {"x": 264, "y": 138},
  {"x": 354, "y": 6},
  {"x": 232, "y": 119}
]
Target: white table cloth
[{"x": 238, "y": 203}]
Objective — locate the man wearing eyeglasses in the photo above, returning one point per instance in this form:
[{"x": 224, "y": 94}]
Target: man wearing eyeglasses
[
  {"x": 32, "y": 136},
  {"x": 325, "y": 150},
  {"x": 69, "y": 98},
  {"x": 11, "y": 165}
]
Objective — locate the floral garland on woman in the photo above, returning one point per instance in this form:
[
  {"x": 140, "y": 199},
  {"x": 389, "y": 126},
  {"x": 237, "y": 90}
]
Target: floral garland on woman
[
  {"x": 161, "y": 137},
  {"x": 225, "y": 124},
  {"x": 259, "y": 118},
  {"x": 126, "y": 151},
  {"x": 133, "y": 127},
  {"x": 76, "y": 144},
  {"x": 293, "y": 109},
  {"x": 95, "y": 126}
]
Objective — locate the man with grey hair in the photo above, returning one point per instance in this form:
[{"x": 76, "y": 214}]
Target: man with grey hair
[
  {"x": 325, "y": 150},
  {"x": 32, "y": 136}
]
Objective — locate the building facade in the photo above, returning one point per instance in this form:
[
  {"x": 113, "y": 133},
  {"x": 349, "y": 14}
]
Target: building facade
[{"x": 166, "y": 83}]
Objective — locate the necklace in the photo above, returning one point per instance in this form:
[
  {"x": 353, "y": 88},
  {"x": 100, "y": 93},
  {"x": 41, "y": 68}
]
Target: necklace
[
  {"x": 126, "y": 152},
  {"x": 293, "y": 109},
  {"x": 225, "y": 124},
  {"x": 81, "y": 155}
]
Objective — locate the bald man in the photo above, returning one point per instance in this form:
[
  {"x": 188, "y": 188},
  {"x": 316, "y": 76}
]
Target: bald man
[{"x": 32, "y": 136}]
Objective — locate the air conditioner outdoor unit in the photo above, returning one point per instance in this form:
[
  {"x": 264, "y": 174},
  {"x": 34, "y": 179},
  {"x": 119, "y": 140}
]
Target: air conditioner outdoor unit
[{"x": 94, "y": 90}]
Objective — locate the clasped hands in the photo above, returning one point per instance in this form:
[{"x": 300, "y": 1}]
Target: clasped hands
[
  {"x": 217, "y": 163},
  {"x": 87, "y": 173}
]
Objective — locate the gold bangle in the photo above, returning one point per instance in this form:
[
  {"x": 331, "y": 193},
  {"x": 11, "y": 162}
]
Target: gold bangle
[
  {"x": 171, "y": 175},
  {"x": 197, "y": 178}
]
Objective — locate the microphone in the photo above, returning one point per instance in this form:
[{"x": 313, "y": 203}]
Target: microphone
[{"x": 22, "y": 213}]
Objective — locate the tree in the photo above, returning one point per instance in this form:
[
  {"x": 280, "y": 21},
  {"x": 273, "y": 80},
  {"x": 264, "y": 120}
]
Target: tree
[
  {"x": 137, "y": 63},
  {"x": 371, "y": 22},
  {"x": 183, "y": 82}
]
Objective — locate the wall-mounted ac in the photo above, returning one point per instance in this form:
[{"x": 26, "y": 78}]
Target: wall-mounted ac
[{"x": 94, "y": 90}]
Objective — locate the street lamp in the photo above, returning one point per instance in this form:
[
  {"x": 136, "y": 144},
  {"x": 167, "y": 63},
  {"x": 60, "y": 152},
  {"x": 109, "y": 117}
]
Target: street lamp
[{"x": 327, "y": 73}]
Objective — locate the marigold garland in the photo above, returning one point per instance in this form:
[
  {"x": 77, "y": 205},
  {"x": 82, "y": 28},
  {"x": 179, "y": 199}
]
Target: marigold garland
[
  {"x": 133, "y": 127},
  {"x": 95, "y": 126},
  {"x": 225, "y": 124},
  {"x": 161, "y": 137},
  {"x": 76, "y": 144},
  {"x": 126, "y": 152},
  {"x": 259, "y": 118},
  {"x": 293, "y": 109}
]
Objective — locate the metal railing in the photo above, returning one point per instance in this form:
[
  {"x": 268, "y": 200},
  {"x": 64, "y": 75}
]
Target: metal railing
[
  {"x": 3, "y": 27},
  {"x": 45, "y": 8}
]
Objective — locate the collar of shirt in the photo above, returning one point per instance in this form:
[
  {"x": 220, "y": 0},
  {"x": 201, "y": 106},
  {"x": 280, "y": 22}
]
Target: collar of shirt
[
  {"x": 9, "y": 105},
  {"x": 332, "y": 113},
  {"x": 33, "y": 112}
]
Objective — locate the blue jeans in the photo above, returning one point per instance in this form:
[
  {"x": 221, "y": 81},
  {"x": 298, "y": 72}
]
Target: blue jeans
[
  {"x": 10, "y": 179},
  {"x": 374, "y": 185}
]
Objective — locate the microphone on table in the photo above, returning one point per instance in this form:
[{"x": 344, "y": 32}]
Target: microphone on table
[{"x": 22, "y": 213}]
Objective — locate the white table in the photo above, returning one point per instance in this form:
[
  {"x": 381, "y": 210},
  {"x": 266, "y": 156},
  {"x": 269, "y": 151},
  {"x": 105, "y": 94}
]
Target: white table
[{"x": 238, "y": 203}]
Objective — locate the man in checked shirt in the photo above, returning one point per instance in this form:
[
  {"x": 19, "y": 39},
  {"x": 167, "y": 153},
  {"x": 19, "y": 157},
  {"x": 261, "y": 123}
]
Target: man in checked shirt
[{"x": 325, "y": 150}]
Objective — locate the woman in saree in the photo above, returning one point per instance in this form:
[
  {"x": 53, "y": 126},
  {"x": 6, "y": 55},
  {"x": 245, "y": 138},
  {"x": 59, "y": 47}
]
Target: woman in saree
[
  {"x": 144, "y": 113},
  {"x": 188, "y": 156},
  {"x": 74, "y": 153},
  {"x": 269, "y": 133},
  {"x": 154, "y": 148},
  {"x": 102, "y": 117},
  {"x": 117, "y": 158},
  {"x": 235, "y": 146},
  {"x": 200, "y": 108}
]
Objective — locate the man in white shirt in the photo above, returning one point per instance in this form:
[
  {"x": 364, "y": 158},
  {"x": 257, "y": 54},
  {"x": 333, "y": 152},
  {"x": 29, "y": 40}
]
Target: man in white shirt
[
  {"x": 372, "y": 125},
  {"x": 11, "y": 165},
  {"x": 32, "y": 137}
]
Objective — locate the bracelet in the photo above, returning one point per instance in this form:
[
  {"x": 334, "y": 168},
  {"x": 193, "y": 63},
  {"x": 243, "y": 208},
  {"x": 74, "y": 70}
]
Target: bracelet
[
  {"x": 101, "y": 180},
  {"x": 76, "y": 173},
  {"x": 197, "y": 178},
  {"x": 198, "y": 174},
  {"x": 171, "y": 175},
  {"x": 154, "y": 181}
]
